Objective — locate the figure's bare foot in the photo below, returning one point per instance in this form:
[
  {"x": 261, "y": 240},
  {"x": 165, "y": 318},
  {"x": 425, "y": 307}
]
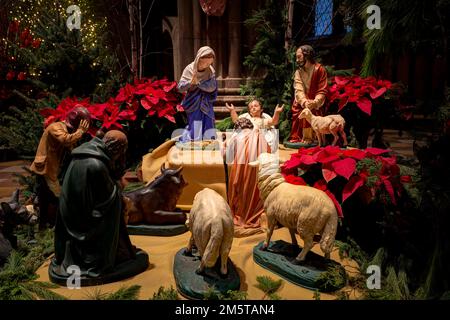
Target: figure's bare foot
[
  {"x": 264, "y": 247},
  {"x": 294, "y": 141}
]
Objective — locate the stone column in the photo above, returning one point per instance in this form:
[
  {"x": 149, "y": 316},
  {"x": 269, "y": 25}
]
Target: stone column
[
  {"x": 185, "y": 32},
  {"x": 234, "y": 38},
  {"x": 213, "y": 40},
  {"x": 197, "y": 25},
  {"x": 170, "y": 25}
]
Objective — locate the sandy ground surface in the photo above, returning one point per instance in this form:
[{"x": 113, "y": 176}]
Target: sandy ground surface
[{"x": 162, "y": 251}]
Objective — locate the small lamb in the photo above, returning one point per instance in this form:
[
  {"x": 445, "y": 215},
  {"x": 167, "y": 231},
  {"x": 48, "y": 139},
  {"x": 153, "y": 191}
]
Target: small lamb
[
  {"x": 333, "y": 124},
  {"x": 212, "y": 228},
  {"x": 302, "y": 209}
]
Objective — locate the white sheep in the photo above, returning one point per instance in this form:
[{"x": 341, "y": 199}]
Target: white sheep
[
  {"x": 332, "y": 124},
  {"x": 302, "y": 209},
  {"x": 212, "y": 228}
]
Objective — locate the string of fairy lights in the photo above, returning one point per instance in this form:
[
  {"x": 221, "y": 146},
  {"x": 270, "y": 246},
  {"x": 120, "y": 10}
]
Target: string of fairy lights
[{"x": 28, "y": 13}]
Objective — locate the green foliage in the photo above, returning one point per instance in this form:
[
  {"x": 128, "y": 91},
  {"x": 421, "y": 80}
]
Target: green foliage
[
  {"x": 332, "y": 72},
  {"x": 269, "y": 286},
  {"x": 18, "y": 276},
  {"x": 235, "y": 295},
  {"x": 21, "y": 129},
  {"x": 332, "y": 279},
  {"x": 404, "y": 25},
  {"x": 166, "y": 294},
  {"x": 394, "y": 287},
  {"x": 316, "y": 295},
  {"x": 342, "y": 295},
  {"x": 65, "y": 66},
  {"x": 269, "y": 62},
  {"x": 123, "y": 293},
  {"x": 213, "y": 294},
  {"x": 225, "y": 124},
  {"x": 27, "y": 181},
  {"x": 352, "y": 250},
  {"x": 443, "y": 111}
]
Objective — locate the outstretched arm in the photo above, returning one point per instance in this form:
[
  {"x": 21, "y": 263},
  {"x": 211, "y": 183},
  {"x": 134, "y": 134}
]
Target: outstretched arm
[
  {"x": 233, "y": 114},
  {"x": 276, "y": 115}
]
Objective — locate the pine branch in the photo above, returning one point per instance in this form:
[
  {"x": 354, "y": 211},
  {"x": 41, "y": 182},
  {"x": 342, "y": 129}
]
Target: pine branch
[
  {"x": 268, "y": 285},
  {"x": 125, "y": 293},
  {"x": 165, "y": 294}
]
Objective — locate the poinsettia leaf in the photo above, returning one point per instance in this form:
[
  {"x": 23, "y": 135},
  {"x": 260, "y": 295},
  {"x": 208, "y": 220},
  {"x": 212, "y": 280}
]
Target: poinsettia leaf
[
  {"x": 390, "y": 190},
  {"x": 307, "y": 159},
  {"x": 170, "y": 118},
  {"x": 377, "y": 93},
  {"x": 405, "y": 179},
  {"x": 293, "y": 162},
  {"x": 153, "y": 100},
  {"x": 341, "y": 81},
  {"x": 342, "y": 103},
  {"x": 294, "y": 180},
  {"x": 328, "y": 172},
  {"x": 321, "y": 185},
  {"x": 345, "y": 167},
  {"x": 336, "y": 203},
  {"x": 352, "y": 185},
  {"x": 355, "y": 153},
  {"x": 377, "y": 151},
  {"x": 365, "y": 105},
  {"x": 146, "y": 104},
  {"x": 169, "y": 87},
  {"x": 328, "y": 154}
]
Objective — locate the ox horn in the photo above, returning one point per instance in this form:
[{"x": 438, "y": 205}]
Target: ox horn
[{"x": 179, "y": 170}]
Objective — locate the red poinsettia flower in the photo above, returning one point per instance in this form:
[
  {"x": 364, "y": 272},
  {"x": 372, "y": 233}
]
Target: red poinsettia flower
[
  {"x": 322, "y": 185},
  {"x": 295, "y": 180},
  {"x": 334, "y": 162},
  {"x": 60, "y": 112},
  {"x": 125, "y": 93},
  {"x": 36, "y": 43},
  {"x": 24, "y": 34},
  {"x": 151, "y": 96},
  {"x": 355, "y": 89},
  {"x": 14, "y": 27},
  {"x": 10, "y": 75},
  {"x": 111, "y": 120},
  {"x": 21, "y": 76}
]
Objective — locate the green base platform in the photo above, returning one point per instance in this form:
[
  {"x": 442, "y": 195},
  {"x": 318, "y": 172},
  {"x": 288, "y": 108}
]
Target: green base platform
[
  {"x": 194, "y": 286},
  {"x": 298, "y": 145},
  {"x": 123, "y": 271},
  {"x": 316, "y": 274},
  {"x": 157, "y": 230}
]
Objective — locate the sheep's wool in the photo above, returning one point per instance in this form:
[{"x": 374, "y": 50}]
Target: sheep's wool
[{"x": 269, "y": 178}]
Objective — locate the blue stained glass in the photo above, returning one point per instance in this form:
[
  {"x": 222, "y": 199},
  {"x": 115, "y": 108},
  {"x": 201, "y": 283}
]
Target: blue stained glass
[{"x": 323, "y": 18}]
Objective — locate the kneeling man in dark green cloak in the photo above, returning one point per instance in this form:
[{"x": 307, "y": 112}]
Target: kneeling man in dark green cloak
[{"x": 91, "y": 239}]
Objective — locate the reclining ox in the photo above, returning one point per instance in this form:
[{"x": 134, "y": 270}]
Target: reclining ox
[{"x": 155, "y": 203}]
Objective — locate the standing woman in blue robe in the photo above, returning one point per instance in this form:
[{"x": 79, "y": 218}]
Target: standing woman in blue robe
[{"x": 199, "y": 82}]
